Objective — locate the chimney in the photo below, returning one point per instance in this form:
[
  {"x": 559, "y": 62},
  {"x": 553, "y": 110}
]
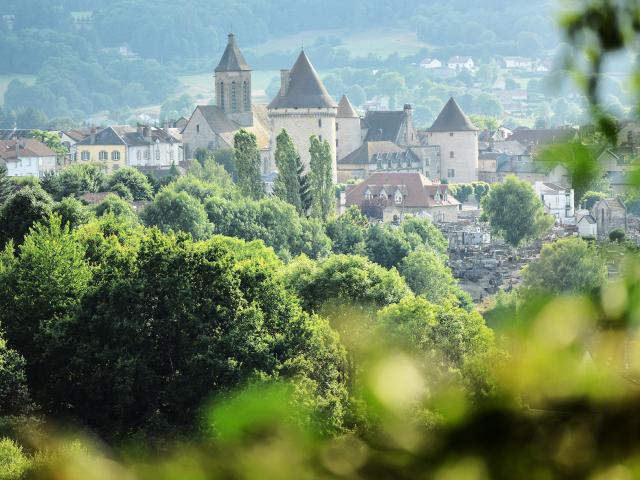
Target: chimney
[
  {"x": 407, "y": 109},
  {"x": 93, "y": 135},
  {"x": 284, "y": 82},
  {"x": 146, "y": 132}
]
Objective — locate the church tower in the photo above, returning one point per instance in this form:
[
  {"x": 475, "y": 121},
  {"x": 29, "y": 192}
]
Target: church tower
[{"x": 233, "y": 85}]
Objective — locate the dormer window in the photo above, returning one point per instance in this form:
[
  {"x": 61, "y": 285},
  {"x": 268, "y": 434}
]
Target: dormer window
[
  {"x": 367, "y": 194},
  {"x": 383, "y": 194},
  {"x": 398, "y": 197}
]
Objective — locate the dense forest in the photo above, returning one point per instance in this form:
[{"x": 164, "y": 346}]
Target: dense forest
[{"x": 73, "y": 47}]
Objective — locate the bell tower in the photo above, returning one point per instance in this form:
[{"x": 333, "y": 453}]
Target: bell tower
[{"x": 233, "y": 85}]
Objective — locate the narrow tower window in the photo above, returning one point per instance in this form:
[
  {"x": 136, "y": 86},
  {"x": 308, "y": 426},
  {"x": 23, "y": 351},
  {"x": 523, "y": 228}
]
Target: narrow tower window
[
  {"x": 221, "y": 102},
  {"x": 234, "y": 100},
  {"x": 247, "y": 96}
]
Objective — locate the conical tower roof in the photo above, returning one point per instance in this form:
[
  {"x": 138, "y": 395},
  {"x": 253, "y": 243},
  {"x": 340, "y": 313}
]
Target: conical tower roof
[
  {"x": 305, "y": 88},
  {"x": 345, "y": 109},
  {"x": 232, "y": 59},
  {"x": 452, "y": 119}
]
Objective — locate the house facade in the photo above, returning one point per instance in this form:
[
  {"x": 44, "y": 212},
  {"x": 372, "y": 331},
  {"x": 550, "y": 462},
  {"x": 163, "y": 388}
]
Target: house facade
[
  {"x": 27, "y": 157},
  {"x": 460, "y": 63},
  {"x": 391, "y": 196},
  {"x": 558, "y": 201}
]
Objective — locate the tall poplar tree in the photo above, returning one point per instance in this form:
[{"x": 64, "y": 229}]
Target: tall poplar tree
[
  {"x": 321, "y": 178},
  {"x": 287, "y": 184},
  {"x": 247, "y": 160}
]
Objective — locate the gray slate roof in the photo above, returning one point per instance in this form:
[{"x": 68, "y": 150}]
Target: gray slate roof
[
  {"x": 106, "y": 136},
  {"x": 452, "y": 119},
  {"x": 383, "y": 126},
  {"x": 345, "y": 109},
  {"x": 232, "y": 59},
  {"x": 305, "y": 88}
]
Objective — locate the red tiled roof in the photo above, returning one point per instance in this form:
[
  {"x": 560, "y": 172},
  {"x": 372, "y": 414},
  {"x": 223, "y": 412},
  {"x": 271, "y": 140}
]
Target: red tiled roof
[
  {"x": 418, "y": 190},
  {"x": 29, "y": 147}
]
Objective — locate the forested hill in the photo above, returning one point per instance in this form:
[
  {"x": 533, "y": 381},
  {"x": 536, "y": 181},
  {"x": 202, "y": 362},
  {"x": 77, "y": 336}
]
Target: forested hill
[{"x": 74, "y": 46}]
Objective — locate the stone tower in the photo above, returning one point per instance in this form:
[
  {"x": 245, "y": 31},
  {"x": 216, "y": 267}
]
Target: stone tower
[
  {"x": 303, "y": 107},
  {"x": 457, "y": 138},
  {"x": 348, "y": 128},
  {"x": 233, "y": 85}
]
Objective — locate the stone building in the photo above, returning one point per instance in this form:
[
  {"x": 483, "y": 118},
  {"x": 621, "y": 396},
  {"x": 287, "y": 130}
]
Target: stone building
[
  {"x": 213, "y": 127},
  {"x": 457, "y": 138},
  {"x": 389, "y": 196},
  {"x": 348, "y": 129},
  {"x": 303, "y": 108},
  {"x": 610, "y": 214}
]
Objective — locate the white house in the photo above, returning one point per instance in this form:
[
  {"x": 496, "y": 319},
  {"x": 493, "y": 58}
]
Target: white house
[
  {"x": 460, "y": 63},
  {"x": 518, "y": 63},
  {"x": 430, "y": 63},
  {"x": 587, "y": 225},
  {"x": 27, "y": 157},
  {"x": 558, "y": 201},
  {"x": 152, "y": 147}
]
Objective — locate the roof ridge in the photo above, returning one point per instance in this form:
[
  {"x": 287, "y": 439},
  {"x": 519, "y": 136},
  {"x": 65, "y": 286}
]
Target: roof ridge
[{"x": 452, "y": 119}]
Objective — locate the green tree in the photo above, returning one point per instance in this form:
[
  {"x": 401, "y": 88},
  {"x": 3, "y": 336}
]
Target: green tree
[
  {"x": 21, "y": 210},
  {"x": 461, "y": 191},
  {"x": 72, "y": 212},
  {"x": 14, "y": 463},
  {"x": 51, "y": 140},
  {"x": 179, "y": 212},
  {"x": 134, "y": 180},
  {"x": 480, "y": 189},
  {"x": 568, "y": 265},
  {"x": 321, "y": 178},
  {"x": 589, "y": 199},
  {"x": 342, "y": 280},
  {"x": 287, "y": 184},
  {"x": 247, "y": 161},
  {"x": 6, "y": 184},
  {"x": 386, "y": 246},
  {"x": 41, "y": 286},
  {"x": 428, "y": 276},
  {"x": 75, "y": 180},
  {"x": 117, "y": 206},
  {"x": 14, "y": 393},
  {"x": 515, "y": 212},
  {"x": 348, "y": 232}
]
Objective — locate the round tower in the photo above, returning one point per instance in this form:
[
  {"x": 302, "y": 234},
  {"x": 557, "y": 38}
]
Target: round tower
[
  {"x": 303, "y": 107},
  {"x": 457, "y": 138},
  {"x": 348, "y": 129}
]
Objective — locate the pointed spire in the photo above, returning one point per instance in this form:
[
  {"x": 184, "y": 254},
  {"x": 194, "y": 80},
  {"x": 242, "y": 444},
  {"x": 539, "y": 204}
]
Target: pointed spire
[
  {"x": 345, "y": 108},
  {"x": 452, "y": 119},
  {"x": 305, "y": 89},
  {"x": 232, "y": 59}
]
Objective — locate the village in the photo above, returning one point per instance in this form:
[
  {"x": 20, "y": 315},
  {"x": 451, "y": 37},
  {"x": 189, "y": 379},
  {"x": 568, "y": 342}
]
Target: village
[{"x": 382, "y": 162}]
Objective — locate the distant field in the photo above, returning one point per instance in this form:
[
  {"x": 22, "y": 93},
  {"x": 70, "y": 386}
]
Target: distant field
[
  {"x": 383, "y": 42},
  {"x": 6, "y": 79}
]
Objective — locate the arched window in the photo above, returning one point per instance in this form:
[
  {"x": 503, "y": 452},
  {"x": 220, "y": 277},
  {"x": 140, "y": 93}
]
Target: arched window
[
  {"x": 115, "y": 155},
  {"x": 102, "y": 156},
  {"x": 234, "y": 100},
  {"x": 221, "y": 100},
  {"x": 246, "y": 96}
]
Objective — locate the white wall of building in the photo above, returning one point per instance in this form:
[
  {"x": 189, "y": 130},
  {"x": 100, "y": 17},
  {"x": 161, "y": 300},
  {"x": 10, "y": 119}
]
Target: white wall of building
[
  {"x": 559, "y": 203},
  {"x": 31, "y": 166},
  {"x": 155, "y": 154},
  {"x": 348, "y": 135},
  {"x": 461, "y": 166},
  {"x": 300, "y": 124}
]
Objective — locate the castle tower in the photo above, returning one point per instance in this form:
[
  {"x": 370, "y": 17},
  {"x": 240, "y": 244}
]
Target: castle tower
[
  {"x": 233, "y": 85},
  {"x": 303, "y": 107},
  {"x": 457, "y": 138},
  {"x": 348, "y": 129}
]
